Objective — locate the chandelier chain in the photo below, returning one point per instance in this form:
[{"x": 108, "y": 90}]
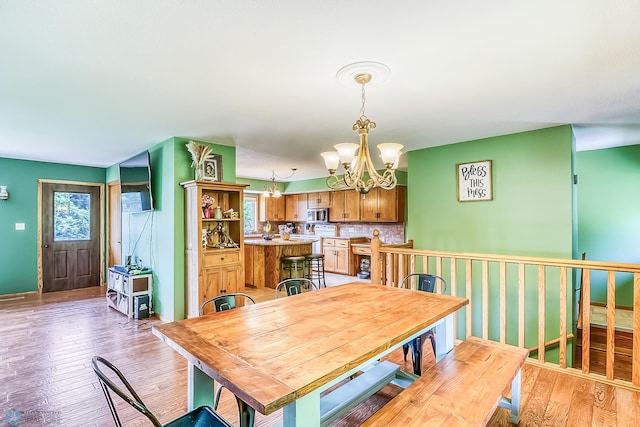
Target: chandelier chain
[{"x": 363, "y": 101}]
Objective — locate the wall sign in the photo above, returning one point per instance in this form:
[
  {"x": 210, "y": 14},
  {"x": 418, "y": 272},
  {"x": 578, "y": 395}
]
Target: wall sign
[{"x": 474, "y": 181}]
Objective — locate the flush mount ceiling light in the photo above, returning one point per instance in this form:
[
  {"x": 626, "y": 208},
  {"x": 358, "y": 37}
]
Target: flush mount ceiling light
[
  {"x": 272, "y": 190},
  {"x": 362, "y": 73}
]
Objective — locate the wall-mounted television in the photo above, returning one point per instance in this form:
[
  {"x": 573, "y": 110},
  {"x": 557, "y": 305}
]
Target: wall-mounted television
[{"x": 135, "y": 184}]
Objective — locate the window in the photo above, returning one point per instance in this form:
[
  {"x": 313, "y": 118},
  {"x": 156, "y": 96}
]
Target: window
[
  {"x": 71, "y": 216},
  {"x": 250, "y": 213}
]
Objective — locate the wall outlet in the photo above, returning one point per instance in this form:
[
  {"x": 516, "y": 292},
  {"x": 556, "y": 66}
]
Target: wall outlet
[{"x": 20, "y": 226}]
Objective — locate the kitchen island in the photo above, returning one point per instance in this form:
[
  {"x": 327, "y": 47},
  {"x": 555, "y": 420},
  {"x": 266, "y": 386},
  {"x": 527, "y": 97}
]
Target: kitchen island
[{"x": 262, "y": 259}]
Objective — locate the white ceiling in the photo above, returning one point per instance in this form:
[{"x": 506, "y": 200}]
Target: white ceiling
[{"x": 95, "y": 82}]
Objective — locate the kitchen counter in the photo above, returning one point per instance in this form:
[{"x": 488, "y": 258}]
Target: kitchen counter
[
  {"x": 262, "y": 259},
  {"x": 278, "y": 242}
]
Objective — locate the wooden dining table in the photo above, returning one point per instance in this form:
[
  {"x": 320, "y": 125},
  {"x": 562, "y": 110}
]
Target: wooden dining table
[{"x": 283, "y": 353}]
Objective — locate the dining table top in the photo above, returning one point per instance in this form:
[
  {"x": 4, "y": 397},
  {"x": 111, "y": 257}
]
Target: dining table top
[{"x": 272, "y": 353}]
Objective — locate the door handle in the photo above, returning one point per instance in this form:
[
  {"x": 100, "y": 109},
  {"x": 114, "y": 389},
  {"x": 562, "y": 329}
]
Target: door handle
[{"x": 46, "y": 246}]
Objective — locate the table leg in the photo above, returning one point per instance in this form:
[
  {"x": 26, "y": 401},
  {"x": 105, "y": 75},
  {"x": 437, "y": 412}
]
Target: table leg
[
  {"x": 516, "y": 385},
  {"x": 303, "y": 411},
  {"x": 200, "y": 389},
  {"x": 247, "y": 413},
  {"x": 444, "y": 337}
]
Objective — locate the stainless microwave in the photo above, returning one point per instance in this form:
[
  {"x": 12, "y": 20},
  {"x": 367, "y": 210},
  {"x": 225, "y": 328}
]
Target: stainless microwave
[{"x": 318, "y": 215}]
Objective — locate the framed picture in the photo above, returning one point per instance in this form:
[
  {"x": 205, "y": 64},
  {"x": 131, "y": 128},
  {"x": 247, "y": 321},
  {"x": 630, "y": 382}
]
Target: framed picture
[
  {"x": 212, "y": 168},
  {"x": 474, "y": 181}
]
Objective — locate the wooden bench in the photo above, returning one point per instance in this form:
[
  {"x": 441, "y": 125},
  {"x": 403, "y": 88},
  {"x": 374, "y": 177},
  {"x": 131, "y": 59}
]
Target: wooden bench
[
  {"x": 341, "y": 400},
  {"x": 463, "y": 389}
]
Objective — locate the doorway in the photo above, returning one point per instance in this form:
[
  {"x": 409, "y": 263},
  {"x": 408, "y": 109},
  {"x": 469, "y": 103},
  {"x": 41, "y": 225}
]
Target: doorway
[{"x": 71, "y": 238}]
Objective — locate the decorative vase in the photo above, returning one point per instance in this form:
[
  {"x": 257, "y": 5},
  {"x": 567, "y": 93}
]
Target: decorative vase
[
  {"x": 206, "y": 213},
  {"x": 217, "y": 213},
  {"x": 199, "y": 173}
]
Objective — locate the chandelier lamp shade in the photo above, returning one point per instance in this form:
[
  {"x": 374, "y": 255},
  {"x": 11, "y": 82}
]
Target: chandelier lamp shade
[
  {"x": 356, "y": 158},
  {"x": 272, "y": 190}
]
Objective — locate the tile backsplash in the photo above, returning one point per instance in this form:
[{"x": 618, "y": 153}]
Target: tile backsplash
[{"x": 389, "y": 233}]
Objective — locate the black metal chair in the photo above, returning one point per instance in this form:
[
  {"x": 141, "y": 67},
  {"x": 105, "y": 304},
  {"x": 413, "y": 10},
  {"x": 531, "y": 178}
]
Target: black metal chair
[
  {"x": 202, "y": 416},
  {"x": 294, "y": 287},
  {"x": 225, "y": 302},
  {"x": 222, "y": 303},
  {"x": 426, "y": 283}
]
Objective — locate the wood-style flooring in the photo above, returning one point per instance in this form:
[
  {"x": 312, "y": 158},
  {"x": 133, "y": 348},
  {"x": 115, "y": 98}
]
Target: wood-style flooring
[{"x": 47, "y": 341}]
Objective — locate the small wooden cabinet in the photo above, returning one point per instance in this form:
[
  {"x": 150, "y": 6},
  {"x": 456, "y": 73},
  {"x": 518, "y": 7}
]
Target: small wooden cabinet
[
  {"x": 214, "y": 247},
  {"x": 321, "y": 199},
  {"x": 272, "y": 208},
  {"x": 338, "y": 256},
  {"x": 295, "y": 207},
  {"x": 345, "y": 206},
  {"x": 384, "y": 205},
  {"x": 123, "y": 288}
]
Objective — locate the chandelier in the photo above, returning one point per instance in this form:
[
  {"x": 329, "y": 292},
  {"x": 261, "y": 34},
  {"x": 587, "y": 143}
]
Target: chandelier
[
  {"x": 356, "y": 165},
  {"x": 272, "y": 190}
]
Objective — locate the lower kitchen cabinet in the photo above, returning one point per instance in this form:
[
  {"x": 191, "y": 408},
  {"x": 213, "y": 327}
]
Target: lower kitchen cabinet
[{"x": 338, "y": 257}]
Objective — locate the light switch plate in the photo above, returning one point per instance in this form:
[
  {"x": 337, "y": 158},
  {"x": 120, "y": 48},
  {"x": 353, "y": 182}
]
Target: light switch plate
[{"x": 19, "y": 226}]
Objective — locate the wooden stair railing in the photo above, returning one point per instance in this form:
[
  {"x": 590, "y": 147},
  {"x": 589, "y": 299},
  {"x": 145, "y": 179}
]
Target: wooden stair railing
[{"x": 490, "y": 280}]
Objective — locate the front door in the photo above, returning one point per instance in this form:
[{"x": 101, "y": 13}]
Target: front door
[{"x": 70, "y": 236}]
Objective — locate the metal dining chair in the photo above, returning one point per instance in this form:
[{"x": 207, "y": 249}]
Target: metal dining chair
[
  {"x": 202, "y": 416},
  {"x": 222, "y": 303},
  {"x": 426, "y": 283},
  {"x": 225, "y": 302},
  {"x": 294, "y": 286}
]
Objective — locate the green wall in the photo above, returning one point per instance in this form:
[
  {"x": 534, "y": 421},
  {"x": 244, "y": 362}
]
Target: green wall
[
  {"x": 530, "y": 214},
  {"x": 19, "y": 249},
  {"x": 257, "y": 184},
  {"x": 609, "y": 214}
]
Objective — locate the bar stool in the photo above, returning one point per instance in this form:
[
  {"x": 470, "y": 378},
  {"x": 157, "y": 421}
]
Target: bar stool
[
  {"x": 291, "y": 267},
  {"x": 314, "y": 269}
]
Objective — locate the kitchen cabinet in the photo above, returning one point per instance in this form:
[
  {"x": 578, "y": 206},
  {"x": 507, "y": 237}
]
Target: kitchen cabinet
[
  {"x": 338, "y": 256},
  {"x": 345, "y": 206},
  {"x": 320, "y": 199},
  {"x": 384, "y": 205},
  {"x": 295, "y": 207},
  {"x": 272, "y": 208},
  {"x": 214, "y": 247}
]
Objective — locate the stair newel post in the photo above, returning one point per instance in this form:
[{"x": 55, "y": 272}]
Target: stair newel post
[{"x": 376, "y": 260}]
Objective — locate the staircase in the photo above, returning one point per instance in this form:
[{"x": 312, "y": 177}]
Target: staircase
[{"x": 622, "y": 356}]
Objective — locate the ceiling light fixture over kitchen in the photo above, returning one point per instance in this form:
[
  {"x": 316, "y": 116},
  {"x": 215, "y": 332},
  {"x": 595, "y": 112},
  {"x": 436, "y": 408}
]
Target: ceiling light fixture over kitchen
[
  {"x": 272, "y": 190},
  {"x": 355, "y": 165}
]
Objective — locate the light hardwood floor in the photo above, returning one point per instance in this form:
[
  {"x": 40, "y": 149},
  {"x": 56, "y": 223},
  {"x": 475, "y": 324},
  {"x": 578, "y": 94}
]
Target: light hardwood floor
[{"x": 46, "y": 344}]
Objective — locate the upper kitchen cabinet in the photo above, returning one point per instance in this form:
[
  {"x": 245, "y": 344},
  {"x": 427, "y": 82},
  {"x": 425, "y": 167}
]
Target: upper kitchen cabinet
[
  {"x": 384, "y": 205},
  {"x": 295, "y": 207},
  {"x": 345, "y": 206},
  {"x": 272, "y": 208},
  {"x": 321, "y": 199}
]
